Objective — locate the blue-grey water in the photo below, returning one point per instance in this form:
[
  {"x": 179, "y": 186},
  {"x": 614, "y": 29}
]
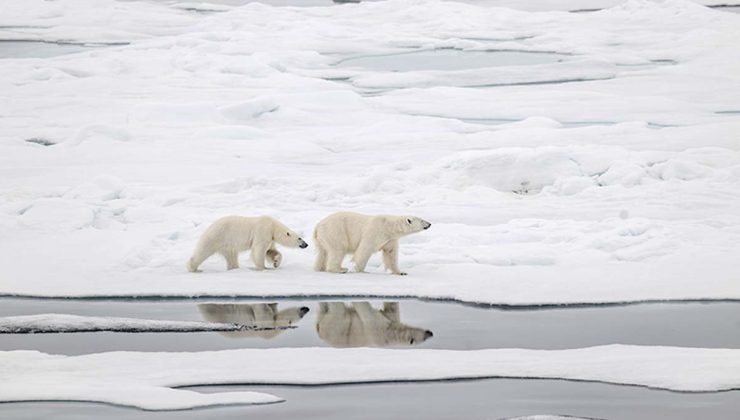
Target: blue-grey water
[
  {"x": 455, "y": 326},
  {"x": 37, "y": 49}
]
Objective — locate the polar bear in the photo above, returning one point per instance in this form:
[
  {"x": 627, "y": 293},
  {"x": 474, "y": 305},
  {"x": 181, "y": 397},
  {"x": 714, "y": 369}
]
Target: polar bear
[
  {"x": 360, "y": 325},
  {"x": 264, "y": 317},
  {"x": 362, "y": 235},
  {"x": 230, "y": 235}
]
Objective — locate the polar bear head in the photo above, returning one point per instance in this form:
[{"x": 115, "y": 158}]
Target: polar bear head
[
  {"x": 412, "y": 224},
  {"x": 286, "y": 237}
]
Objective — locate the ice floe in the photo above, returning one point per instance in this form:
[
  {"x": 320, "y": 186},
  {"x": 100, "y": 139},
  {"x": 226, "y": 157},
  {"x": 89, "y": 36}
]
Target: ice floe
[
  {"x": 151, "y": 381},
  {"x": 65, "y": 323}
]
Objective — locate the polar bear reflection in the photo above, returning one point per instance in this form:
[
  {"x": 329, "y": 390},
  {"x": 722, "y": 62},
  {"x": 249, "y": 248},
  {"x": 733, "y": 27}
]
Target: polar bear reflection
[
  {"x": 360, "y": 325},
  {"x": 259, "y": 315}
]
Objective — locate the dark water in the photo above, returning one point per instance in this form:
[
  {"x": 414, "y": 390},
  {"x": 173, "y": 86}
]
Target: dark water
[{"x": 454, "y": 326}]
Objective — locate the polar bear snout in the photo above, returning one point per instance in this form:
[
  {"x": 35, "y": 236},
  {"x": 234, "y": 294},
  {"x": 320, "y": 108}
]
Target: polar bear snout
[
  {"x": 428, "y": 334},
  {"x": 302, "y": 243},
  {"x": 426, "y": 225}
]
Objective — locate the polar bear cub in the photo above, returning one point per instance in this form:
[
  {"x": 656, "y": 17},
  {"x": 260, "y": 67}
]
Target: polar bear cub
[
  {"x": 362, "y": 235},
  {"x": 231, "y": 235}
]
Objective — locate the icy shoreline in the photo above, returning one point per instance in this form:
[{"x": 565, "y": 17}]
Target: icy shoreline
[{"x": 465, "y": 283}]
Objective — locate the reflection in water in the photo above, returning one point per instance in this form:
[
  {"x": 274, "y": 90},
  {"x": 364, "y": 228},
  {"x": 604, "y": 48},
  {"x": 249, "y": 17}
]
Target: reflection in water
[
  {"x": 358, "y": 324},
  {"x": 264, "y": 316}
]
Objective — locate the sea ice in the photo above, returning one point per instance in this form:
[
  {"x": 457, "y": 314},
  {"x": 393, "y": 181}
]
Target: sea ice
[
  {"x": 152, "y": 381},
  {"x": 618, "y": 189}
]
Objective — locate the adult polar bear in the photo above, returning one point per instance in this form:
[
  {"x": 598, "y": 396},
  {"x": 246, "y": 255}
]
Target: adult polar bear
[
  {"x": 362, "y": 235},
  {"x": 230, "y": 235},
  {"x": 361, "y": 325}
]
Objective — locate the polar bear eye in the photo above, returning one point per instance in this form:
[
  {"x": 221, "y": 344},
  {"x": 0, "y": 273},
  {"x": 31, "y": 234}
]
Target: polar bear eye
[
  {"x": 409, "y": 222},
  {"x": 412, "y": 341},
  {"x": 288, "y": 233}
]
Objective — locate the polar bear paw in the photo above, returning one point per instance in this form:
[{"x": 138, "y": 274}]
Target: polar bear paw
[
  {"x": 274, "y": 257},
  {"x": 276, "y": 260}
]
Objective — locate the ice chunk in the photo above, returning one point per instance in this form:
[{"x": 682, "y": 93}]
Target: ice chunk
[{"x": 64, "y": 323}]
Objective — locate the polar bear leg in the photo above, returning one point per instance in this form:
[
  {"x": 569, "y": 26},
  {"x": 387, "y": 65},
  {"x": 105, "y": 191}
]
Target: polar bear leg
[
  {"x": 334, "y": 261},
  {"x": 390, "y": 257},
  {"x": 232, "y": 259},
  {"x": 274, "y": 257},
  {"x": 320, "y": 264},
  {"x": 197, "y": 259},
  {"x": 258, "y": 255},
  {"x": 264, "y": 314},
  {"x": 323, "y": 308},
  {"x": 365, "y": 311},
  {"x": 392, "y": 311},
  {"x": 363, "y": 253}
]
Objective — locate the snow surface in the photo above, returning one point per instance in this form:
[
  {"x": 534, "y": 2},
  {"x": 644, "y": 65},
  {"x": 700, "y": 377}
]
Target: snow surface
[
  {"x": 64, "y": 323},
  {"x": 625, "y": 187},
  {"x": 145, "y": 380}
]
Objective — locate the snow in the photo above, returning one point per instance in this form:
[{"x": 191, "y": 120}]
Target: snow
[
  {"x": 146, "y": 380},
  {"x": 622, "y": 186},
  {"x": 64, "y": 323}
]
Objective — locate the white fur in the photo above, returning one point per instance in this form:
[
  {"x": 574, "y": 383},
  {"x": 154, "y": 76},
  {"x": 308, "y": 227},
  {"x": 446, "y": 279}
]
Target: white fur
[
  {"x": 264, "y": 316},
  {"x": 362, "y": 235},
  {"x": 360, "y": 325},
  {"x": 231, "y": 235}
]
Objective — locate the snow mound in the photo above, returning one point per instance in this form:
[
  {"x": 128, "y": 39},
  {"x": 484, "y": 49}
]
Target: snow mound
[
  {"x": 515, "y": 170},
  {"x": 249, "y": 110},
  {"x": 570, "y": 170}
]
